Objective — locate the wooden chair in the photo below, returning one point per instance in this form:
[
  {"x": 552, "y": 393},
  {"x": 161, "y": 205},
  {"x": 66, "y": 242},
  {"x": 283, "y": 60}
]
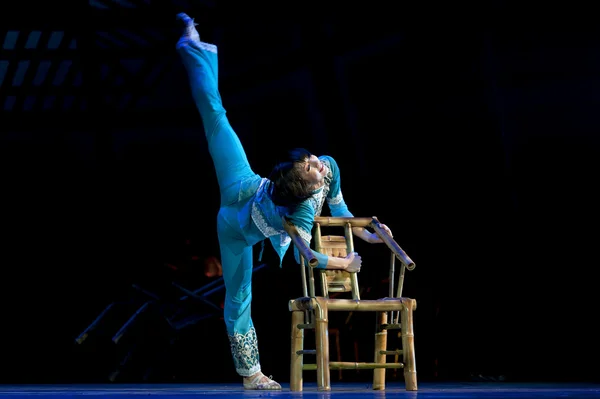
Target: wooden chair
[{"x": 310, "y": 312}]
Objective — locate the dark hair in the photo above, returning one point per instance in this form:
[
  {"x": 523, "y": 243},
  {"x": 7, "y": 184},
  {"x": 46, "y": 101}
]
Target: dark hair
[{"x": 288, "y": 188}]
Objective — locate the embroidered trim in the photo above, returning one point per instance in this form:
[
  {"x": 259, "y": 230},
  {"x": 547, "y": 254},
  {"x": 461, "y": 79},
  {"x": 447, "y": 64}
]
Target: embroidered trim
[
  {"x": 285, "y": 239},
  {"x": 319, "y": 197},
  {"x": 336, "y": 200},
  {"x": 317, "y": 200},
  {"x": 306, "y": 236},
  {"x": 260, "y": 221},
  {"x": 329, "y": 177},
  {"x": 244, "y": 348},
  {"x": 258, "y": 216}
]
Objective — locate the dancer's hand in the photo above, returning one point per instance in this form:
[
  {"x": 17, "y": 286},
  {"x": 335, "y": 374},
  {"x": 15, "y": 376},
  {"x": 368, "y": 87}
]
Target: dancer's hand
[
  {"x": 354, "y": 262},
  {"x": 375, "y": 239},
  {"x": 371, "y": 238}
]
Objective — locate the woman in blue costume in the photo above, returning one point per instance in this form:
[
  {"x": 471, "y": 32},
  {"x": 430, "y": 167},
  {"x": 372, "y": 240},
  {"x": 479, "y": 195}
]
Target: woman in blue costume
[{"x": 253, "y": 208}]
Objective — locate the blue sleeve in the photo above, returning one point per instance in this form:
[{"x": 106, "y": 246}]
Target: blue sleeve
[
  {"x": 321, "y": 258},
  {"x": 303, "y": 218},
  {"x": 335, "y": 199}
]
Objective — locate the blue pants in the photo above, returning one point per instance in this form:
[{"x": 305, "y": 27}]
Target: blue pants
[{"x": 232, "y": 169}]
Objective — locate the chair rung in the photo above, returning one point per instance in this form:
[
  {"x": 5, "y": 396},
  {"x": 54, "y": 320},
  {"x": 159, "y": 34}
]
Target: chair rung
[
  {"x": 355, "y": 366},
  {"x": 395, "y": 352},
  {"x": 390, "y": 326},
  {"x": 306, "y": 352},
  {"x": 332, "y": 288}
]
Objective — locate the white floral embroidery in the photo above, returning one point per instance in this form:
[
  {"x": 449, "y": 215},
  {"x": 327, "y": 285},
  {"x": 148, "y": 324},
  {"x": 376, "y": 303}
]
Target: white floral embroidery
[
  {"x": 244, "y": 348},
  {"x": 257, "y": 215},
  {"x": 261, "y": 222},
  {"x": 317, "y": 201},
  {"x": 336, "y": 200},
  {"x": 328, "y": 177},
  {"x": 285, "y": 239},
  {"x": 305, "y": 235}
]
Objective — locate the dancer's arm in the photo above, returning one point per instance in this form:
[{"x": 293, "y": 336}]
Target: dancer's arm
[
  {"x": 338, "y": 206},
  {"x": 303, "y": 218}
]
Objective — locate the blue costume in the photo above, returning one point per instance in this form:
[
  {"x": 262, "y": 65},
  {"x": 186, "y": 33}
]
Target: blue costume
[{"x": 247, "y": 215}]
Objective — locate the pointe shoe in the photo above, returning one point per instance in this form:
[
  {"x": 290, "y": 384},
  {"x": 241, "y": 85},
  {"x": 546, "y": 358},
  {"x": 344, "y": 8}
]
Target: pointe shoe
[
  {"x": 262, "y": 382},
  {"x": 189, "y": 27}
]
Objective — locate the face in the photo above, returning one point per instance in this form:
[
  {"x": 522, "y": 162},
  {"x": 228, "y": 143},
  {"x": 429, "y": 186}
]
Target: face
[{"x": 313, "y": 170}]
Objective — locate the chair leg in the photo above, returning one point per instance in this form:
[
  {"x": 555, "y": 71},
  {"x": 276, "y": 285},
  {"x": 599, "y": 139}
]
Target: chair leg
[
  {"x": 338, "y": 354},
  {"x": 408, "y": 345},
  {"x": 322, "y": 347},
  {"x": 296, "y": 358},
  {"x": 396, "y": 357},
  {"x": 380, "y": 348},
  {"x": 356, "y": 359}
]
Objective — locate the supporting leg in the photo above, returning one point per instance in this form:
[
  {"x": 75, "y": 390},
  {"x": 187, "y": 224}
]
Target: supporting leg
[{"x": 231, "y": 163}]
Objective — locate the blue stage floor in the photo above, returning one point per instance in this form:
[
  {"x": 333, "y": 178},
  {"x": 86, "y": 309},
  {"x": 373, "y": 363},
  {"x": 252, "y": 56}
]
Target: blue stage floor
[{"x": 474, "y": 390}]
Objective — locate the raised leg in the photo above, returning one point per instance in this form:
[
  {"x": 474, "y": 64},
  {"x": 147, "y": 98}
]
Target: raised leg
[{"x": 228, "y": 155}]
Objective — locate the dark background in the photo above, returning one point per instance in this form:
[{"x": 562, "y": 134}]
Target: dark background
[{"x": 470, "y": 129}]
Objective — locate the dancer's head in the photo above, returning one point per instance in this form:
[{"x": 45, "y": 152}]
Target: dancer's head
[{"x": 296, "y": 178}]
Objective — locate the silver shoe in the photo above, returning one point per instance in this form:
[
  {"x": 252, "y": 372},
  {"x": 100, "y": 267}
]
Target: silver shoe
[{"x": 258, "y": 383}]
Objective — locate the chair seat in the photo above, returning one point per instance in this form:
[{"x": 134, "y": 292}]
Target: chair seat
[{"x": 364, "y": 305}]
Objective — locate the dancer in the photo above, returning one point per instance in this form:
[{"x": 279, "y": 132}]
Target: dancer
[{"x": 253, "y": 208}]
